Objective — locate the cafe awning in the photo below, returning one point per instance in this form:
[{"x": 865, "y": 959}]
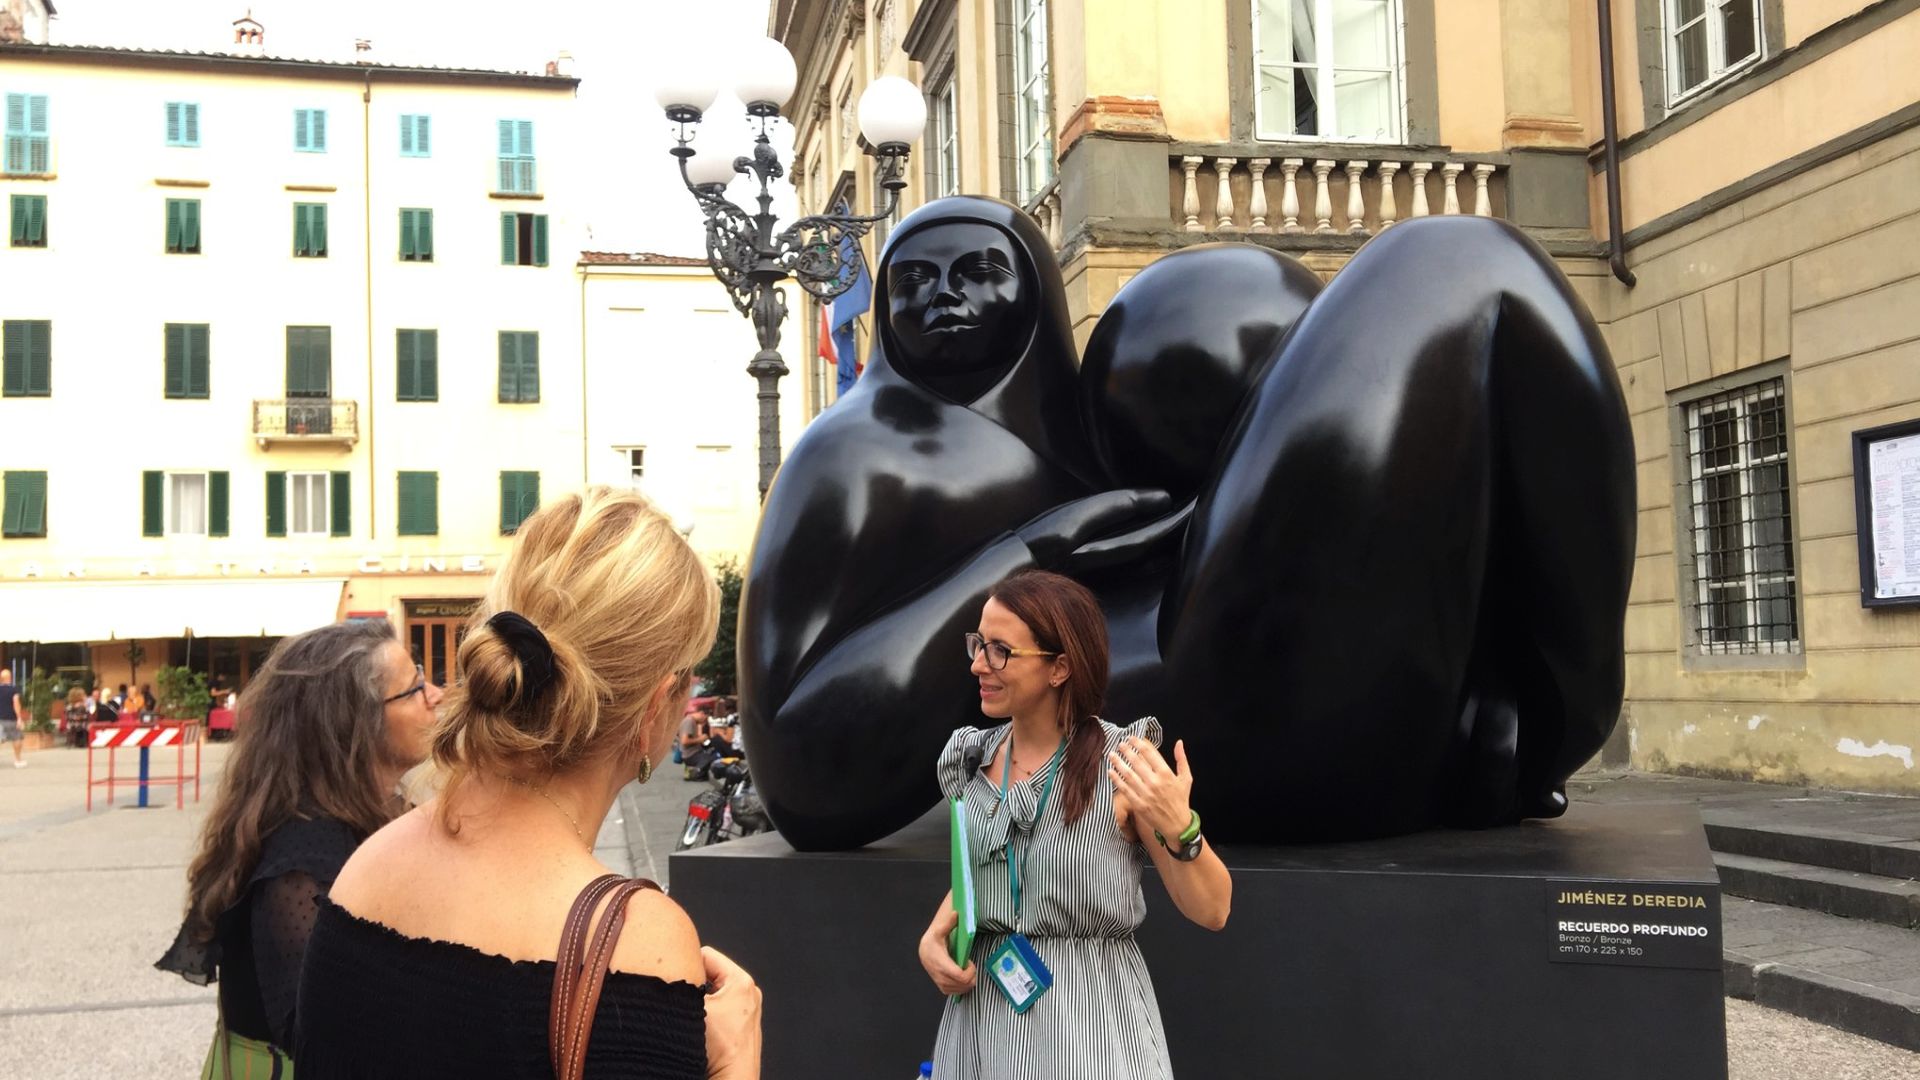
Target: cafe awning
[{"x": 53, "y": 611}]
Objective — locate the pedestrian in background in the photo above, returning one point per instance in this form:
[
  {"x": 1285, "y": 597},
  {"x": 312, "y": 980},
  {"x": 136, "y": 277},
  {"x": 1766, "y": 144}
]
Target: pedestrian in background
[
  {"x": 73, "y": 721},
  {"x": 12, "y": 713},
  {"x": 435, "y": 954},
  {"x": 329, "y": 725}
]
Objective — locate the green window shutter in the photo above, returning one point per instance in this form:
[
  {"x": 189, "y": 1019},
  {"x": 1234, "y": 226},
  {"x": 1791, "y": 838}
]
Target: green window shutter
[
  {"x": 406, "y": 380},
  {"x": 300, "y": 130},
  {"x": 13, "y": 503},
  {"x": 40, "y": 358},
  {"x": 509, "y": 234},
  {"x": 540, "y": 240},
  {"x": 19, "y": 209},
  {"x": 190, "y": 123},
  {"x": 422, "y": 143},
  {"x": 406, "y": 235},
  {"x": 419, "y": 504},
  {"x": 190, "y": 226},
  {"x": 151, "y": 483},
  {"x": 176, "y": 360},
  {"x": 509, "y": 367},
  {"x": 276, "y": 504},
  {"x": 37, "y": 220},
  {"x": 176, "y": 212},
  {"x": 406, "y": 136},
  {"x": 199, "y": 362},
  {"x": 33, "y": 512},
  {"x": 217, "y": 484},
  {"x": 173, "y": 123},
  {"x": 341, "y": 489},
  {"x": 318, "y": 230},
  {"x": 300, "y": 238},
  {"x": 423, "y": 233},
  {"x": 519, "y": 498},
  {"x": 429, "y": 365},
  {"x": 15, "y": 381},
  {"x": 317, "y": 119},
  {"x": 530, "y": 367}
]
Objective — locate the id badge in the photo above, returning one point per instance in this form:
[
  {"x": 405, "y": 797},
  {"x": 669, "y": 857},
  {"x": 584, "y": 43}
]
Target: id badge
[{"x": 1019, "y": 972}]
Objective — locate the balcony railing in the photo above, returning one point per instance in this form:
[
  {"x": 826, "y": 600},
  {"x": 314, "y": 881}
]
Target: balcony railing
[
  {"x": 1329, "y": 195},
  {"x": 1044, "y": 209},
  {"x": 305, "y": 420}
]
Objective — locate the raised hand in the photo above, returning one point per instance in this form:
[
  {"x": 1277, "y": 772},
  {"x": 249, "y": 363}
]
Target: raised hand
[{"x": 1157, "y": 795}]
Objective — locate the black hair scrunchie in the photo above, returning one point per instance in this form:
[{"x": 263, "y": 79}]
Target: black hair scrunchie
[{"x": 530, "y": 647}]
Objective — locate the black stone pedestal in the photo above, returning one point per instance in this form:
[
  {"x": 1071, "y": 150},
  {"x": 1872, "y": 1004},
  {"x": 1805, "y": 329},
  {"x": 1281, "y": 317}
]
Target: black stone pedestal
[{"x": 1586, "y": 948}]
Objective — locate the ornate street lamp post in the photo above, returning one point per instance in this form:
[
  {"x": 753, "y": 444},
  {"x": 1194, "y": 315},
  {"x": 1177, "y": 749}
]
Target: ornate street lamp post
[{"x": 820, "y": 251}]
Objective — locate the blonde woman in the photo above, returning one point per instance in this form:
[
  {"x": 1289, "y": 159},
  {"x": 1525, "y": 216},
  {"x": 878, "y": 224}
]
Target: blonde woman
[{"x": 436, "y": 953}]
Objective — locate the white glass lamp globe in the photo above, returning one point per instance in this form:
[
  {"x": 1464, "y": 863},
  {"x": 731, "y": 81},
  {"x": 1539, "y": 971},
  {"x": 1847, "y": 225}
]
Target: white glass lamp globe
[
  {"x": 723, "y": 136},
  {"x": 766, "y": 73},
  {"x": 687, "y": 84},
  {"x": 892, "y": 111}
]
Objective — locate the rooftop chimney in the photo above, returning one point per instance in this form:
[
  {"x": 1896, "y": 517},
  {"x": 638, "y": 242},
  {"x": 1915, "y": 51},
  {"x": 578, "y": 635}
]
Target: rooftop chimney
[
  {"x": 561, "y": 65},
  {"x": 362, "y": 50}
]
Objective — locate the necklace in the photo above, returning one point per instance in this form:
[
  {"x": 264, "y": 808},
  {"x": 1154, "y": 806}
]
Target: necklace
[{"x": 542, "y": 792}]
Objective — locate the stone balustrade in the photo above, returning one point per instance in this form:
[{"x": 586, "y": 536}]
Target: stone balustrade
[
  {"x": 1044, "y": 209},
  {"x": 1328, "y": 195}
]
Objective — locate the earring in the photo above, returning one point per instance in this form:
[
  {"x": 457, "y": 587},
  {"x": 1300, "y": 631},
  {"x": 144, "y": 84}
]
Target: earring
[{"x": 646, "y": 768}]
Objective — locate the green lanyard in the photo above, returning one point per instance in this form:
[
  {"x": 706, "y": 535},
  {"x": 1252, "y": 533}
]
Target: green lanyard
[{"x": 1046, "y": 788}]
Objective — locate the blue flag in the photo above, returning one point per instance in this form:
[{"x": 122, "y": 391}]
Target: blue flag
[{"x": 847, "y": 307}]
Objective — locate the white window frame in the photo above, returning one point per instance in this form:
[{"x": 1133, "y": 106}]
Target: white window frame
[
  {"x": 325, "y": 527},
  {"x": 1750, "y": 581},
  {"x": 945, "y": 143},
  {"x": 1326, "y": 78},
  {"x": 1033, "y": 99},
  {"x": 175, "y": 507},
  {"x": 1715, "y": 24},
  {"x": 634, "y": 459}
]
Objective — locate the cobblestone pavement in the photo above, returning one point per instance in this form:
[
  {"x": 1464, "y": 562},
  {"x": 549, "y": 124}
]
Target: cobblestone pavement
[{"x": 89, "y": 900}]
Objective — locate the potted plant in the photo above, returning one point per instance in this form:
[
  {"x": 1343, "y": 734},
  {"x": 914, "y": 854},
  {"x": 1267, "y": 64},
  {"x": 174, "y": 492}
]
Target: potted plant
[
  {"x": 39, "y": 694},
  {"x": 183, "y": 694}
]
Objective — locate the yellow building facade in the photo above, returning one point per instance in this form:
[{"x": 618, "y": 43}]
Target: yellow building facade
[
  {"x": 277, "y": 335},
  {"x": 1763, "y": 320}
]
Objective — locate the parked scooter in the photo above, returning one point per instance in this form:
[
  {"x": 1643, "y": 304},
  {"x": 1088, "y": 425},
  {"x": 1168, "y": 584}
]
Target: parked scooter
[{"x": 728, "y": 808}]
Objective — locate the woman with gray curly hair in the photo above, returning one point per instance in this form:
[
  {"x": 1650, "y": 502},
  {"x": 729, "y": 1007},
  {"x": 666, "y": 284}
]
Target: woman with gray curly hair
[{"x": 325, "y": 730}]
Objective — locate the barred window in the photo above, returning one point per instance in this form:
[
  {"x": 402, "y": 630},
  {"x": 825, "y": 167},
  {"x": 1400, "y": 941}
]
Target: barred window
[{"x": 1742, "y": 524}]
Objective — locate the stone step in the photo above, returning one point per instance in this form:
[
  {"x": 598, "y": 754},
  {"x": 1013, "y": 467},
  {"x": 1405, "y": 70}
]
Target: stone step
[
  {"x": 1857, "y": 976},
  {"x": 1849, "y": 893},
  {"x": 1816, "y": 845}
]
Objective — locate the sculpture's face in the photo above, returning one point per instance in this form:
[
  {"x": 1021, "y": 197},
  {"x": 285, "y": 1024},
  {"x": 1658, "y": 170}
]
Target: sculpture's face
[{"x": 955, "y": 299}]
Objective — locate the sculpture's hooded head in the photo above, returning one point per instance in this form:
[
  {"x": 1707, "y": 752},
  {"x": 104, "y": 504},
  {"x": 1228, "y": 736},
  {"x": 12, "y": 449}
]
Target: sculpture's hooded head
[{"x": 969, "y": 307}]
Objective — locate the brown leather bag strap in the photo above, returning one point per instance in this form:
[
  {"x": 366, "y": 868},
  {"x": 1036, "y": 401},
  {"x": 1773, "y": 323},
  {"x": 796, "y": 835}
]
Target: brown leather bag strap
[
  {"x": 578, "y": 978},
  {"x": 566, "y": 966}
]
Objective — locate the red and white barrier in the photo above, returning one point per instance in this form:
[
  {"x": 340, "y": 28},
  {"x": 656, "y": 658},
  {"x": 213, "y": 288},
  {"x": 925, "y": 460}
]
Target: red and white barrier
[
  {"x": 111, "y": 738},
  {"x": 127, "y": 738}
]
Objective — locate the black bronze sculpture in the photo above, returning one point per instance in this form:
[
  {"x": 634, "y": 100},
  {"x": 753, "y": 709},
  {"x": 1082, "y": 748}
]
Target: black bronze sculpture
[{"x": 1366, "y": 549}]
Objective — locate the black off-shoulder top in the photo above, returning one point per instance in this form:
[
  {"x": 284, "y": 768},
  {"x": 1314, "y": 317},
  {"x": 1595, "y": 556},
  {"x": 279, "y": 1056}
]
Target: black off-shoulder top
[{"x": 376, "y": 1003}]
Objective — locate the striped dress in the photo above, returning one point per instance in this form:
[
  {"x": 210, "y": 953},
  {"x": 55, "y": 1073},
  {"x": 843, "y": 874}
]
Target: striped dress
[{"x": 1081, "y": 903}]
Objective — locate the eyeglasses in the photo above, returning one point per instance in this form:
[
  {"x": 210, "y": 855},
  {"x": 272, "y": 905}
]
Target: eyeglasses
[
  {"x": 997, "y": 653},
  {"x": 419, "y": 687}
]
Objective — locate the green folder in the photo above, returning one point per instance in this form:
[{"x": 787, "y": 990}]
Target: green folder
[{"x": 960, "y": 941}]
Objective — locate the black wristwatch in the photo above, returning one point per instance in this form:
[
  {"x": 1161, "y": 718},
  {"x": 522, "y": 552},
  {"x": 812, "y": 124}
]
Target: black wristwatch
[{"x": 1189, "y": 840}]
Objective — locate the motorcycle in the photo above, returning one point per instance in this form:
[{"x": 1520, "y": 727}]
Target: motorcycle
[{"x": 729, "y": 807}]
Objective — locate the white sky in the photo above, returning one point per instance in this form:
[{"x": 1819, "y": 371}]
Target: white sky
[{"x": 636, "y": 202}]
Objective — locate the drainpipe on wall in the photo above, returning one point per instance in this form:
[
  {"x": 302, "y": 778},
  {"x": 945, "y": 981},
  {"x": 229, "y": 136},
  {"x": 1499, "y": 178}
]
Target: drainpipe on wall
[
  {"x": 373, "y": 481},
  {"x": 1610, "y": 129}
]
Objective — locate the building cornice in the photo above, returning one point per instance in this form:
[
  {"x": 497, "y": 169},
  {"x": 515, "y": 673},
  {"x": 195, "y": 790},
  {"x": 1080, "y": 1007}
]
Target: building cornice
[{"x": 229, "y": 64}]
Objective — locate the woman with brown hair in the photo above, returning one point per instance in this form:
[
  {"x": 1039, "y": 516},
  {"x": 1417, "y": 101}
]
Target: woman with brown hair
[
  {"x": 1063, "y": 811},
  {"x": 455, "y": 942},
  {"x": 326, "y": 729}
]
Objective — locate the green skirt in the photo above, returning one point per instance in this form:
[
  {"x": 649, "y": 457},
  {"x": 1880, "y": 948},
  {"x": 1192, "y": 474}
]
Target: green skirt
[{"x": 236, "y": 1057}]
